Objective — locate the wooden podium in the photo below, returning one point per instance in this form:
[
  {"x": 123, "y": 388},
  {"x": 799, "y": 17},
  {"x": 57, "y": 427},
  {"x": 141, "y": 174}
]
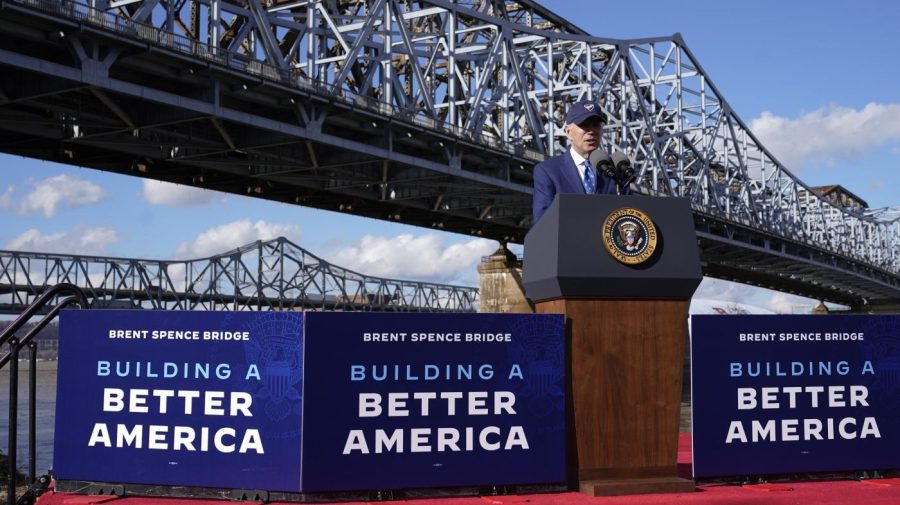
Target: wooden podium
[{"x": 626, "y": 331}]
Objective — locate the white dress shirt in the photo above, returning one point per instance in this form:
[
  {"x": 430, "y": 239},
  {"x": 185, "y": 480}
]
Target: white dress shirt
[{"x": 579, "y": 164}]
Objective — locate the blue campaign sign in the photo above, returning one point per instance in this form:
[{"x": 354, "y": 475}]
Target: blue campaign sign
[
  {"x": 209, "y": 399},
  {"x": 424, "y": 400},
  {"x": 788, "y": 394}
]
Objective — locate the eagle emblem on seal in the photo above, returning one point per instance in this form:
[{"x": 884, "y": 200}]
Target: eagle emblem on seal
[{"x": 629, "y": 236}]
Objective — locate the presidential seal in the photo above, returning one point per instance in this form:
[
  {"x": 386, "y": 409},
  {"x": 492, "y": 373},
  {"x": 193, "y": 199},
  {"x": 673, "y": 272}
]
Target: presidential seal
[{"x": 629, "y": 236}]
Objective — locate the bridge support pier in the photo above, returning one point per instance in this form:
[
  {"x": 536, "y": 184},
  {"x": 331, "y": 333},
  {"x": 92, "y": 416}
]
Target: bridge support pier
[{"x": 500, "y": 284}]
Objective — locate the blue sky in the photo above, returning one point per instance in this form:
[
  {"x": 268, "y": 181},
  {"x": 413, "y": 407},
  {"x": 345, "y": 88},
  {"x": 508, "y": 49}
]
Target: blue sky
[{"x": 817, "y": 81}]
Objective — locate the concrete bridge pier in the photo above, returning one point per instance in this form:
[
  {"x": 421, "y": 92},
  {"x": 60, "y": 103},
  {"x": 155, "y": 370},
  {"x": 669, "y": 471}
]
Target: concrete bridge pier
[{"x": 500, "y": 283}]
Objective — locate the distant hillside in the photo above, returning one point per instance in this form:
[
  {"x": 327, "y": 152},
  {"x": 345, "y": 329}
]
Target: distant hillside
[
  {"x": 47, "y": 340},
  {"x": 50, "y": 332}
]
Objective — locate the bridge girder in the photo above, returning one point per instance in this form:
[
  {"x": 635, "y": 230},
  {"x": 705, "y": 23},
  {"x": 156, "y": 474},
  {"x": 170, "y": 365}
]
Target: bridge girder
[
  {"x": 271, "y": 275},
  {"x": 429, "y": 112}
]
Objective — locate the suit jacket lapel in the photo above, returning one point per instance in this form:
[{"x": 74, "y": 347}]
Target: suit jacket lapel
[{"x": 570, "y": 172}]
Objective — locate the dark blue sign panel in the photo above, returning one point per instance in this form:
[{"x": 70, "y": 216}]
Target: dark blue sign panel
[
  {"x": 424, "y": 400},
  {"x": 787, "y": 394},
  {"x": 209, "y": 399}
]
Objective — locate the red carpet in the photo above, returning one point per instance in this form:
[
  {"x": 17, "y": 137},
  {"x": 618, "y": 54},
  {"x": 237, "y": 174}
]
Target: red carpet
[{"x": 838, "y": 492}]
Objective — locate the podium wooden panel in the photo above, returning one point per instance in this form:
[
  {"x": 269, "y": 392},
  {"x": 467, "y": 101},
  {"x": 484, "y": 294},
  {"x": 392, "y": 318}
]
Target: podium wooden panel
[
  {"x": 626, "y": 361},
  {"x": 627, "y": 326}
]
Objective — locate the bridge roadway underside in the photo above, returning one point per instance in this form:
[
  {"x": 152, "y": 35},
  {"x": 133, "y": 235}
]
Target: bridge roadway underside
[
  {"x": 746, "y": 255},
  {"x": 76, "y": 94}
]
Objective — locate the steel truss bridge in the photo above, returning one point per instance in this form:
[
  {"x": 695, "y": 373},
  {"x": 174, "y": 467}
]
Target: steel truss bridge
[
  {"x": 272, "y": 275},
  {"x": 427, "y": 112}
]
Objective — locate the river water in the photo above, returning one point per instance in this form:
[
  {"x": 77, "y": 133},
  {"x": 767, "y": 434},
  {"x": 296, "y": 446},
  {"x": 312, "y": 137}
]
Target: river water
[{"x": 46, "y": 401}]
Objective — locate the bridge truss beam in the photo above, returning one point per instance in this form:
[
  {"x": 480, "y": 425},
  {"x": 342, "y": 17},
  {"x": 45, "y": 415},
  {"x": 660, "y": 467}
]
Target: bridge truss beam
[
  {"x": 427, "y": 112},
  {"x": 272, "y": 275}
]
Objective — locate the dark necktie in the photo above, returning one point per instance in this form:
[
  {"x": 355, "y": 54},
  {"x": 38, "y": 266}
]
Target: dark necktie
[{"x": 590, "y": 183}]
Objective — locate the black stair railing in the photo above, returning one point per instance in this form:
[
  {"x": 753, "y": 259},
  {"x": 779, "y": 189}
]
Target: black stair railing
[{"x": 16, "y": 345}]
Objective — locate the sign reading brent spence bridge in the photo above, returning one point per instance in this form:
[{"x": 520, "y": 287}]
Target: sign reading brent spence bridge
[
  {"x": 310, "y": 402},
  {"x": 789, "y": 394},
  {"x": 209, "y": 399},
  {"x": 425, "y": 400}
]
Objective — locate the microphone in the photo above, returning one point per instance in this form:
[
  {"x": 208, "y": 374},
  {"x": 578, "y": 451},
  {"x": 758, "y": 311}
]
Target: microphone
[
  {"x": 624, "y": 172},
  {"x": 601, "y": 162},
  {"x": 618, "y": 167}
]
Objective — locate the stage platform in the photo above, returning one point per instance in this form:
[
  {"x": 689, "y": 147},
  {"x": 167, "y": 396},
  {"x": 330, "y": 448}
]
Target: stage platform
[{"x": 820, "y": 492}]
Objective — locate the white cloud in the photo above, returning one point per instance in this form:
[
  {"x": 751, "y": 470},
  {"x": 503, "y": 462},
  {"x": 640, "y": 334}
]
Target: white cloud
[
  {"x": 6, "y": 198},
  {"x": 703, "y": 306},
  {"x": 235, "y": 234},
  {"x": 176, "y": 272},
  {"x": 78, "y": 240},
  {"x": 785, "y": 303},
  {"x": 176, "y": 195},
  {"x": 423, "y": 257},
  {"x": 727, "y": 293},
  {"x": 828, "y": 134},
  {"x": 62, "y": 190}
]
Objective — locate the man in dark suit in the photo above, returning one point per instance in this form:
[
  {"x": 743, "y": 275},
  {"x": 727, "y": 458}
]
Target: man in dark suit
[{"x": 570, "y": 172}]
